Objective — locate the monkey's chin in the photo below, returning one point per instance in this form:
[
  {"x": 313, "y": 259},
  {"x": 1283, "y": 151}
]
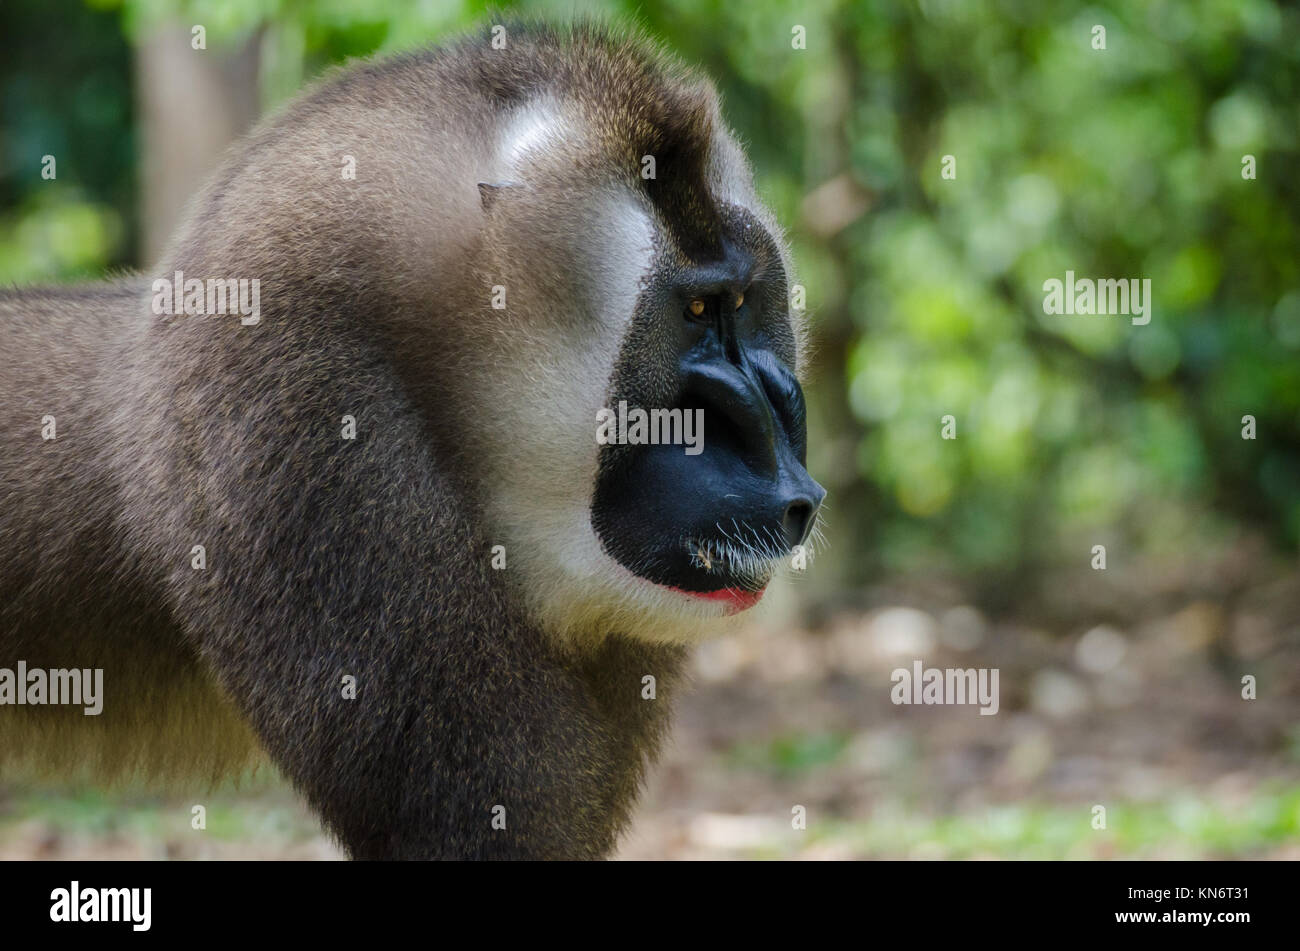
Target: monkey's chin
[{"x": 734, "y": 600}]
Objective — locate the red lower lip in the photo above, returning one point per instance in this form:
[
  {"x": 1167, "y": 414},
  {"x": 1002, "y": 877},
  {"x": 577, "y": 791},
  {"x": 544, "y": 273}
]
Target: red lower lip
[{"x": 738, "y": 598}]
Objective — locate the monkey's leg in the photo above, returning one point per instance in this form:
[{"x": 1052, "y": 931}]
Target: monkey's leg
[{"x": 352, "y": 618}]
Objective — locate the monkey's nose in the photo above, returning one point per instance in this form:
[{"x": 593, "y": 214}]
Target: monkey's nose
[{"x": 801, "y": 513}]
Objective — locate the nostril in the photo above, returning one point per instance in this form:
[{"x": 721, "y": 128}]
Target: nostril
[{"x": 797, "y": 521}]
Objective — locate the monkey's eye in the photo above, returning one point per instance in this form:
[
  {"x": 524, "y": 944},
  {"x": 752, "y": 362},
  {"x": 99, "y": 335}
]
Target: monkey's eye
[
  {"x": 740, "y": 299},
  {"x": 696, "y": 307}
]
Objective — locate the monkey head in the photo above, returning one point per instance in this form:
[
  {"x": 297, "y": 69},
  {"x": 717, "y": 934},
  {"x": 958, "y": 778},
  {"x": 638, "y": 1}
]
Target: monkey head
[
  {"x": 712, "y": 521},
  {"x": 656, "y": 480}
]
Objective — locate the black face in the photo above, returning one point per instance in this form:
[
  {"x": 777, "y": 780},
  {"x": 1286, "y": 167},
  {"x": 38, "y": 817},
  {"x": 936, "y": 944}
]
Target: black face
[{"x": 712, "y": 337}]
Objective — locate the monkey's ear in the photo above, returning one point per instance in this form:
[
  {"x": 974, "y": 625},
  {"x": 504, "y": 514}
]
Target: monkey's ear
[{"x": 489, "y": 192}]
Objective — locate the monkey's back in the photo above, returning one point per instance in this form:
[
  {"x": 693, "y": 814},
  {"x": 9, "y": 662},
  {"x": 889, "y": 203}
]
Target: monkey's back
[{"x": 74, "y": 593}]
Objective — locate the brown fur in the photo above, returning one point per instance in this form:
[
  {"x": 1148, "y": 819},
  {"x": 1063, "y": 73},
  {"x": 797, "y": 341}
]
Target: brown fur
[{"x": 327, "y": 557}]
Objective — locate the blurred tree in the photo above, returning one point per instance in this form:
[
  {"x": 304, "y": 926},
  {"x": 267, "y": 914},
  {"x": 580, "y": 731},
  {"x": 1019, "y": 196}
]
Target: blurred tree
[{"x": 191, "y": 108}]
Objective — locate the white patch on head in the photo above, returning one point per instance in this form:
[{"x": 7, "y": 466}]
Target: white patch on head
[{"x": 537, "y": 127}]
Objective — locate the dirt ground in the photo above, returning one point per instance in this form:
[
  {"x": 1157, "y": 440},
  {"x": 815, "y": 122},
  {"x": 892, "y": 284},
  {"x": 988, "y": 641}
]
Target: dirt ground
[{"x": 1131, "y": 700}]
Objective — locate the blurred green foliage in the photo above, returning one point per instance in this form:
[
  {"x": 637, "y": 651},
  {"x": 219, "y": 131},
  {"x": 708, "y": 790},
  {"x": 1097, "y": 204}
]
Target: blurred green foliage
[
  {"x": 65, "y": 91},
  {"x": 925, "y": 293}
]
